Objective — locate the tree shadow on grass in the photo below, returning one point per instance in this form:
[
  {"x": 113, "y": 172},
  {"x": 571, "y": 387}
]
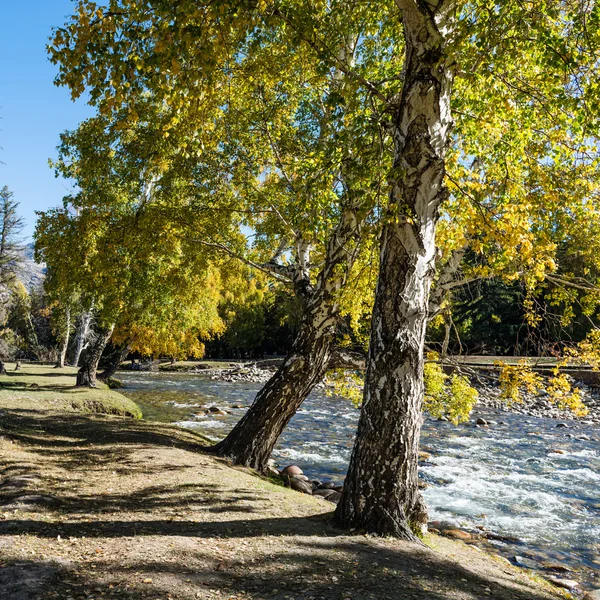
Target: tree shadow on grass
[
  {"x": 165, "y": 551},
  {"x": 71, "y": 430},
  {"x": 323, "y": 567}
]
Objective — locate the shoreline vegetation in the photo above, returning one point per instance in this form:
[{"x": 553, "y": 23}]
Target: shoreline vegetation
[{"x": 97, "y": 506}]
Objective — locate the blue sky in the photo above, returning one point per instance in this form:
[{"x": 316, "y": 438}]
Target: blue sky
[{"x": 33, "y": 111}]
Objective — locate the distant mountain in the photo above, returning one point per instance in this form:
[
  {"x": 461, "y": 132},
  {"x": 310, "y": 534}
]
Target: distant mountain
[{"x": 31, "y": 273}]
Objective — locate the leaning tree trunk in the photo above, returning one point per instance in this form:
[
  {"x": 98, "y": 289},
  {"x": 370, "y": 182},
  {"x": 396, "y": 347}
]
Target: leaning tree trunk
[
  {"x": 83, "y": 332},
  {"x": 86, "y": 376},
  {"x": 115, "y": 363},
  {"x": 60, "y": 363},
  {"x": 252, "y": 440},
  {"x": 381, "y": 492}
]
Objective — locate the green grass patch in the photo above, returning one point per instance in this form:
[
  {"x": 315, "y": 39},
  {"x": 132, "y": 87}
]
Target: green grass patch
[{"x": 42, "y": 387}]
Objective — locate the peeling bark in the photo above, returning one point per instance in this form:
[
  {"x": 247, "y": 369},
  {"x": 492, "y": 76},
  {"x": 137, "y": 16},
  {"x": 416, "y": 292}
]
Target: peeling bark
[
  {"x": 83, "y": 332},
  {"x": 381, "y": 492},
  {"x": 86, "y": 376},
  {"x": 60, "y": 363}
]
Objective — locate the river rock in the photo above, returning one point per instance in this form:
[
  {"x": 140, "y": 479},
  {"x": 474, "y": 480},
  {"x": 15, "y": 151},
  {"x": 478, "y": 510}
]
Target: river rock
[
  {"x": 424, "y": 456},
  {"x": 292, "y": 470},
  {"x": 215, "y": 410},
  {"x": 568, "y": 584},
  {"x": 300, "y": 477},
  {"x": 506, "y": 539},
  {"x": 334, "y": 497},
  {"x": 555, "y": 567},
  {"x": 328, "y": 485},
  {"x": 482, "y": 422},
  {"x": 339, "y": 488},
  {"x": 323, "y": 492},
  {"x": 593, "y": 595},
  {"x": 299, "y": 485},
  {"x": 561, "y": 425},
  {"x": 457, "y": 534}
]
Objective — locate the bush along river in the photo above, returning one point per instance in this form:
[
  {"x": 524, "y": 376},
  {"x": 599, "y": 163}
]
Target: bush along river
[{"x": 527, "y": 488}]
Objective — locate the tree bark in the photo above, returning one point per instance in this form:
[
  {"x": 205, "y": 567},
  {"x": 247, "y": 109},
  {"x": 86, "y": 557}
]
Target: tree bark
[
  {"x": 252, "y": 440},
  {"x": 83, "y": 332},
  {"x": 60, "y": 363},
  {"x": 381, "y": 492},
  {"x": 112, "y": 368},
  {"x": 86, "y": 376}
]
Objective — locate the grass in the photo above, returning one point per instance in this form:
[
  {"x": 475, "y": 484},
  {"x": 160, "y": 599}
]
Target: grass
[{"x": 43, "y": 387}]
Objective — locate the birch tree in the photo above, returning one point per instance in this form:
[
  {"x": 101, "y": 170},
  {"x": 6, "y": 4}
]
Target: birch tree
[{"x": 524, "y": 99}]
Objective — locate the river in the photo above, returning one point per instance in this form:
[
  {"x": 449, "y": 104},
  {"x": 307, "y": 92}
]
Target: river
[{"x": 523, "y": 477}]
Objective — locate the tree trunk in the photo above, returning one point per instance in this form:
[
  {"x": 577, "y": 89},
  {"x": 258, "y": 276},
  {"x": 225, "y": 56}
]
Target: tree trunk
[
  {"x": 63, "y": 351},
  {"x": 381, "y": 492},
  {"x": 86, "y": 376},
  {"x": 83, "y": 332},
  {"x": 112, "y": 368},
  {"x": 251, "y": 441},
  {"x": 447, "y": 331}
]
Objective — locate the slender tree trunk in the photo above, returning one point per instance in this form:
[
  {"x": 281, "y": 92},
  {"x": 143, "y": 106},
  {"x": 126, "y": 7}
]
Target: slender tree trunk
[
  {"x": 112, "y": 368},
  {"x": 65, "y": 344},
  {"x": 381, "y": 492},
  {"x": 447, "y": 331},
  {"x": 83, "y": 332},
  {"x": 86, "y": 376}
]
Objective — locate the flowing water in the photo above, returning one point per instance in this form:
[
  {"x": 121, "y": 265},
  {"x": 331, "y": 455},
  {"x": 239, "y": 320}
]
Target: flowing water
[{"x": 522, "y": 478}]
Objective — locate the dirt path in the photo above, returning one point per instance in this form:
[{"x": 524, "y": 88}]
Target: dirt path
[{"x": 95, "y": 507}]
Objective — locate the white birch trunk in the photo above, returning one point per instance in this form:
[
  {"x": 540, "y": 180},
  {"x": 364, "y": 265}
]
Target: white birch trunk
[{"x": 381, "y": 492}]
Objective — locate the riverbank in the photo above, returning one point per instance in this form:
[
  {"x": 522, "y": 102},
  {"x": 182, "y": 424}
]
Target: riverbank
[
  {"x": 104, "y": 507},
  {"x": 535, "y": 405},
  {"x": 35, "y": 387}
]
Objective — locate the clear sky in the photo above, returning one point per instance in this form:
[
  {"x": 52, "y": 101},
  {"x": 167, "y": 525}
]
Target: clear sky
[{"x": 33, "y": 111}]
